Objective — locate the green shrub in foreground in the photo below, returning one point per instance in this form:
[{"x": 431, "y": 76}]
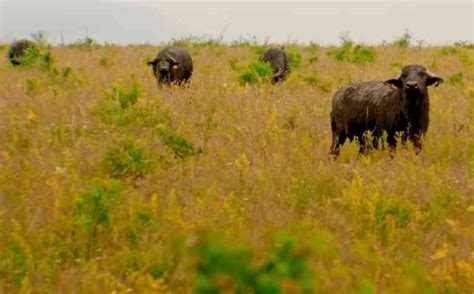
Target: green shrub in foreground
[
  {"x": 221, "y": 268},
  {"x": 93, "y": 211}
]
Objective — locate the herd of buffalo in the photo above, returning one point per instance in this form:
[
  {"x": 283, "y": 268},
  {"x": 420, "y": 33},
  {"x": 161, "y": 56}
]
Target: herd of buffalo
[{"x": 395, "y": 108}]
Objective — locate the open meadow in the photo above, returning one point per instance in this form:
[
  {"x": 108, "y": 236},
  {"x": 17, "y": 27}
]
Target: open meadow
[{"x": 109, "y": 184}]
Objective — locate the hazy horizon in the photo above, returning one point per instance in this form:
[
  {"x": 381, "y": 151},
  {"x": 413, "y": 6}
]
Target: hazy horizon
[{"x": 154, "y": 22}]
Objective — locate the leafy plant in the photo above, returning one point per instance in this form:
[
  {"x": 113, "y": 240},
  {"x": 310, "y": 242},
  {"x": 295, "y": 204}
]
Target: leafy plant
[
  {"x": 30, "y": 56},
  {"x": 180, "y": 147},
  {"x": 94, "y": 208},
  {"x": 404, "y": 40},
  {"x": 353, "y": 53},
  {"x": 231, "y": 269},
  {"x": 125, "y": 160},
  {"x": 248, "y": 77},
  {"x": 295, "y": 58},
  {"x": 197, "y": 41},
  {"x": 15, "y": 260},
  {"x": 361, "y": 54},
  {"x": 264, "y": 70},
  {"x": 84, "y": 43},
  {"x": 257, "y": 72},
  {"x": 126, "y": 98},
  {"x": 46, "y": 61}
]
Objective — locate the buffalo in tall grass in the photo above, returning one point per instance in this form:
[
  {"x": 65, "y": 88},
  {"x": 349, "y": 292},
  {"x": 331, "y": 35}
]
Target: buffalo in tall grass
[
  {"x": 172, "y": 65},
  {"x": 280, "y": 62},
  {"x": 22, "y": 50},
  {"x": 396, "y": 107}
]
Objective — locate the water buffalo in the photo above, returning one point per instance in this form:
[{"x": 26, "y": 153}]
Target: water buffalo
[
  {"x": 172, "y": 65},
  {"x": 396, "y": 106},
  {"x": 279, "y": 60},
  {"x": 18, "y": 50}
]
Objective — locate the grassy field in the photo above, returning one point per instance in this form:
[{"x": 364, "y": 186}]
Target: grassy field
[{"x": 109, "y": 184}]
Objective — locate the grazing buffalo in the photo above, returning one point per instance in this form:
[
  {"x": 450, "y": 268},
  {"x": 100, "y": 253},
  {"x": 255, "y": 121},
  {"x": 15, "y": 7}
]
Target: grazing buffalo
[
  {"x": 280, "y": 62},
  {"x": 172, "y": 65},
  {"x": 18, "y": 50},
  {"x": 396, "y": 106}
]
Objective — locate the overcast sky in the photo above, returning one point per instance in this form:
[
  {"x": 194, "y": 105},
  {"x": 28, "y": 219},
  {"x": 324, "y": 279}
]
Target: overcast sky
[{"x": 146, "y": 21}]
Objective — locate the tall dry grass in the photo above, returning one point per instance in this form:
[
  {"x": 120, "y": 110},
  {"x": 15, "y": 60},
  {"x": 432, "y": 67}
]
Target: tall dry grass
[{"x": 250, "y": 162}]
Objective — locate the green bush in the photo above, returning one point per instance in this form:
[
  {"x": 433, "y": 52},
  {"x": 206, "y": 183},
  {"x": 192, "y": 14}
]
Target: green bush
[
  {"x": 84, "y": 43},
  {"x": 196, "y": 41},
  {"x": 219, "y": 263},
  {"x": 46, "y": 61},
  {"x": 404, "y": 40},
  {"x": 259, "y": 49},
  {"x": 180, "y": 147},
  {"x": 263, "y": 69},
  {"x": 30, "y": 56},
  {"x": 257, "y": 72},
  {"x": 126, "y": 160},
  {"x": 353, "y": 54},
  {"x": 248, "y": 77},
  {"x": 295, "y": 58},
  {"x": 125, "y": 98},
  {"x": 93, "y": 210},
  {"x": 13, "y": 260},
  {"x": 362, "y": 54}
]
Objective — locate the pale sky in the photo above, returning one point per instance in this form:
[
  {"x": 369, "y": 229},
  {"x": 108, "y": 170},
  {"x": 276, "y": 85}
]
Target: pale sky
[{"x": 145, "y": 21}]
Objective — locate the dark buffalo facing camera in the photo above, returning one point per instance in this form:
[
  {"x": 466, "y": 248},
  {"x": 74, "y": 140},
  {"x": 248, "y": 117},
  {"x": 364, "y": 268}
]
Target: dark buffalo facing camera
[
  {"x": 279, "y": 60},
  {"x": 18, "y": 50},
  {"x": 172, "y": 65},
  {"x": 396, "y": 107}
]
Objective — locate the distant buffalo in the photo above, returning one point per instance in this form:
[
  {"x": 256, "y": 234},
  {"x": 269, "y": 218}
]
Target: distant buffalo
[
  {"x": 280, "y": 62},
  {"x": 396, "y": 106},
  {"x": 18, "y": 50},
  {"x": 172, "y": 65}
]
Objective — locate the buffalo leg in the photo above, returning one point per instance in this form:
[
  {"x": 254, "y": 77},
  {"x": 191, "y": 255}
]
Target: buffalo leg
[
  {"x": 416, "y": 139},
  {"x": 337, "y": 141}
]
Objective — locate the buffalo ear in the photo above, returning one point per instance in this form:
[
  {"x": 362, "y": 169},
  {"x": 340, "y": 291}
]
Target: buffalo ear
[
  {"x": 433, "y": 80},
  {"x": 152, "y": 63},
  {"x": 395, "y": 82}
]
